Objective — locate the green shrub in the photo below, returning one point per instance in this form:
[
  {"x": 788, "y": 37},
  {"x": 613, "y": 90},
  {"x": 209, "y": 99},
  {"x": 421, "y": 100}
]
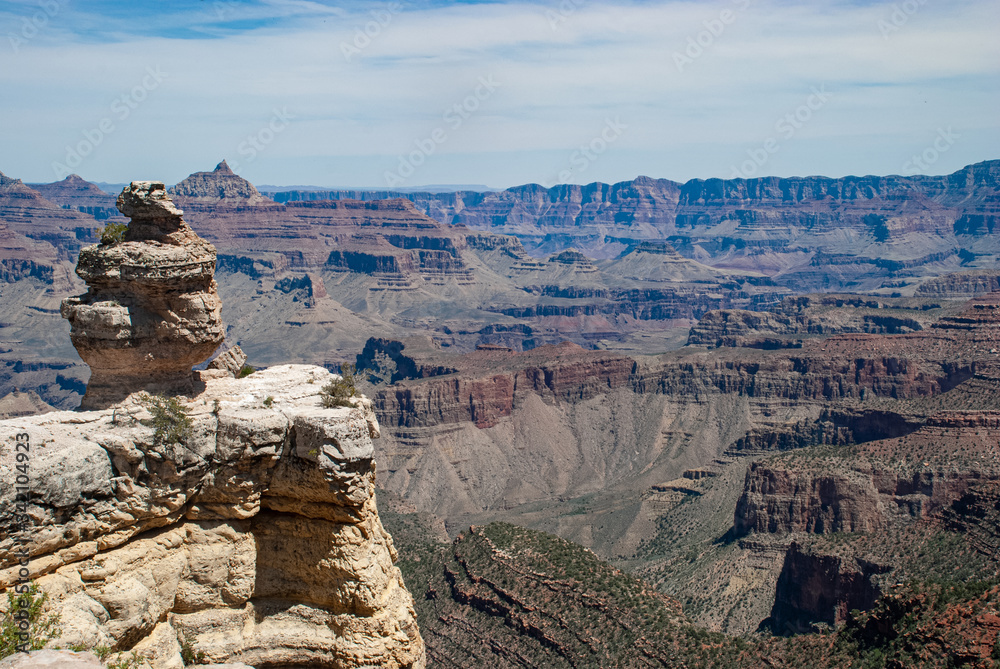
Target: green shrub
[
  {"x": 338, "y": 392},
  {"x": 188, "y": 653},
  {"x": 42, "y": 627},
  {"x": 245, "y": 370},
  {"x": 131, "y": 661},
  {"x": 268, "y": 401},
  {"x": 170, "y": 422},
  {"x": 112, "y": 233}
]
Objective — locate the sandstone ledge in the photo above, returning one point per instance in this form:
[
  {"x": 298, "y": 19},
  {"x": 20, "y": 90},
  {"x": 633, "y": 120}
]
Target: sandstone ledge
[{"x": 258, "y": 540}]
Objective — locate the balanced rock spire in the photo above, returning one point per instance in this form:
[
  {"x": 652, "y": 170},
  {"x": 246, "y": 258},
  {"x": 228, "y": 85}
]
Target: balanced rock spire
[{"x": 152, "y": 310}]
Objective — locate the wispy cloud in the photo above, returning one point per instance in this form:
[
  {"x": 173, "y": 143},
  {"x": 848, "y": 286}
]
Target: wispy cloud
[{"x": 230, "y": 64}]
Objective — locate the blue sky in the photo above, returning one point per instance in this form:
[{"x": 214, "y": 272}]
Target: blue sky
[{"x": 388, "y": 94}]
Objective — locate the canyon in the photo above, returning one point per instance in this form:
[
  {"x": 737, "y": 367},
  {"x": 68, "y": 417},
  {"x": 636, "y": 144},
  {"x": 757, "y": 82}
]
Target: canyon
[{"x": 673, "y": 376}]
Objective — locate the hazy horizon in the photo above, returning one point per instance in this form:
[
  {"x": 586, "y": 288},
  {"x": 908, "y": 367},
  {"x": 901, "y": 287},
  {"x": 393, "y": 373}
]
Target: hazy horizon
[{"x": 435, "y": 188}]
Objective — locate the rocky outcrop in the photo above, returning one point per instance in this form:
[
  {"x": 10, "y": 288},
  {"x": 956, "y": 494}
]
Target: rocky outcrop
[
  {"x": 220, "y": 186},
  {"x": 252, "y": 537},
  {"x": 863, "y": 498},
  {"x": 230, "y": 361},
  {"x": 840, "y": 426},
  {"x": 783, "y": 500},
  {"x": 152, "y": 310},
  {"x": 733, "y": 327},
  {"x": 815, "y": 588}
]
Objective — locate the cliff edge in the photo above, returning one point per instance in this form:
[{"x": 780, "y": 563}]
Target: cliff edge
[{"x": 253, "y": 538}]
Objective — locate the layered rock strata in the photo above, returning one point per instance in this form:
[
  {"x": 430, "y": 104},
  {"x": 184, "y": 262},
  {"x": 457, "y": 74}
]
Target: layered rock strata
[
  {"x": 914, "y": 475},
  {"x": 255, "y": 538},
  {"x": 219, "y": 184},
  {"x": 152, "y": 310}
]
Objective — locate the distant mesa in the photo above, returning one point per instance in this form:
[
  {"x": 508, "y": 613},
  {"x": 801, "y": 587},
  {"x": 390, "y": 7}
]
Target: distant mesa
[
  {"x": 571, "y": 257},
  {"x": 656, "y": 247},
  {"x": 221, "y": 185}
]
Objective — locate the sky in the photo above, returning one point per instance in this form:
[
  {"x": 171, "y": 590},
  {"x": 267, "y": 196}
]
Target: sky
[{"x": 403, "y": 94}]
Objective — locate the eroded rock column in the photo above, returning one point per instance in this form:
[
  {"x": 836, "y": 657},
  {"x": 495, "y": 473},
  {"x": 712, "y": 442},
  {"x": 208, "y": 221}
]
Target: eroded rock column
[{"x": 152, "y": 310}]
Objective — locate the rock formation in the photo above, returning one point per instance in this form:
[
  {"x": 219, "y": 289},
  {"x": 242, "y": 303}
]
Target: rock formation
[
  {"x": 239, "y": 525},
  {"x": 255, "y": 538},
  {"x": 152, "y": 311},
  {"x": 16, "y": 404},
  {"x": 221, "y": 185},
  {"x": 786, "y": 323}
]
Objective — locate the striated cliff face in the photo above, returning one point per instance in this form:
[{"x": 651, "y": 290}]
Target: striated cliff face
[
  {"x": 961, "y": 284},
  {"x": 788, "y": 500},
  {"x": 913, "y": 475},
  {"x": 633, "y": 423},
  {"x": 255, "y": 538},
  {"x": 810, "y": 233},
  {"x": 786, "y": 324},
  {"x": 563, "y": 372},
  {"x": 852, "y": 517},
  {"x": 27, "y": 212}
]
